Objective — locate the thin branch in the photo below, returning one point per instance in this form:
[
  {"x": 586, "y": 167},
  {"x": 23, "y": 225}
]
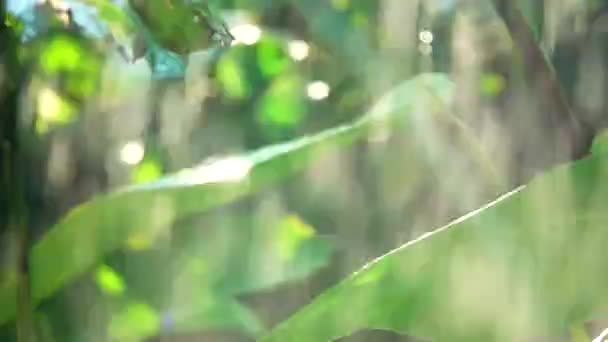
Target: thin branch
[{"x": 541, "y": 73}]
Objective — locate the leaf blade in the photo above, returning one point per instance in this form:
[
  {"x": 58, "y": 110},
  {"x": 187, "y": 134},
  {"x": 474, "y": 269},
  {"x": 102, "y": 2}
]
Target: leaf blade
[
  {"x": 500, "y": 273},
  {"x": 104, "y": 224}
]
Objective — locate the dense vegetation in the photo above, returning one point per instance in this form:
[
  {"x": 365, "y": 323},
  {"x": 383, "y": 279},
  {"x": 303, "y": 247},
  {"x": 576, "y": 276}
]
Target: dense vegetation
[{"x": 237, "y": 170}]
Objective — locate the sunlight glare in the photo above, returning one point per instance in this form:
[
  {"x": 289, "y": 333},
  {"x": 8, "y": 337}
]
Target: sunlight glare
[
  {"x": 318, "y": 90},
  {"x": 247, "y": 34},
  {"x": 132, "y": 153},
  {"x": 229, "y": 169},
  {"x": 49, "y": 104},
  {"x": 298, "y": 50},
  {"x": 426, "y": 36}
]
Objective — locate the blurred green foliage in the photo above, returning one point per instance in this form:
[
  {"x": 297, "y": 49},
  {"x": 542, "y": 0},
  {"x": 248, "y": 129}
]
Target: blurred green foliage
[
  {"x": 509, "y": 253},
  {"x": 318, "y": 154}
]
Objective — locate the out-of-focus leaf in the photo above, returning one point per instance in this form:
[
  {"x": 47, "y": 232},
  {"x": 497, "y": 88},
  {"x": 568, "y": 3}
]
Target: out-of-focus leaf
[
  {"x": 134, "y": 322},
  {"x": 13, "y": 22},
  {"x": 600, "y": 143},
  {"x": 96, "y": 228},
  {"x": 61, "y": 54},
  {"x": 333, "y": 29},
  {"x": 282, "y": 106},
  {"x": 232, "y": 75},
  {"x": 164, "y": 63},
  {"x": 237, "y": 75},
  {"x": 117, "y": 20},
  {"x": 214, "y": 312},
  {"x": 69, "y": 56},
  {"x": 182, "y": 26},
  {"x": 148, "y": 170},
  {"x": 272, "y": 59},
  {"x": 98, "y": 19},
  {"x": 169, "y": 30},
  {"x": 294, "y": 255},
  {"x": 214, "y": 264},
  {"x": 524, "y": 265},
  {"x": 109, "y": 281},
  {"x": 272, "y": 253}
]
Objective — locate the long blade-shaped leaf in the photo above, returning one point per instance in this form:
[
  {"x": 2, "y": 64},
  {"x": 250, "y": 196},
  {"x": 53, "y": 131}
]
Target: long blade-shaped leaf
[
  {"x": 529, "y": 264},
  {"x": 106, "y": 223}
]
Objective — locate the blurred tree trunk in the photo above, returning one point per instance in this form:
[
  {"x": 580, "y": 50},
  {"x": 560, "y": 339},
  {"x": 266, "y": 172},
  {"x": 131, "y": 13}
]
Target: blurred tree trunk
[{"x": 13, "y": 177}]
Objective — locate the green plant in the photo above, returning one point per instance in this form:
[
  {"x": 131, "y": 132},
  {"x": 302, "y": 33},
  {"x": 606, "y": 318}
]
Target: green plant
[
  {"x": 527, "y": 264},
  {"x": 524, "y": 265}
]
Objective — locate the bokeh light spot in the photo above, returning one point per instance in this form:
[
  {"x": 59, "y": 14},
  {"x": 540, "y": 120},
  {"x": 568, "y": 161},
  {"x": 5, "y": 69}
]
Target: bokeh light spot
[
  {"x": 318, "y": 90},
  {"x": 298, "y": 50},
  {"x": 132, "y": 152},
  {"x": 247, "y": 34},
  {"x": 426, "y": 36},
  {"x": 52, "y": 110}
]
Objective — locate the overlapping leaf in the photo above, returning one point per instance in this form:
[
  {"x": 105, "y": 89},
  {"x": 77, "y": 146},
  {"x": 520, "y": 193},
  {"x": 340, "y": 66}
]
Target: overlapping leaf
[
  {"x": 528, "y": 264},
  {"x": 94, "y": 229}
]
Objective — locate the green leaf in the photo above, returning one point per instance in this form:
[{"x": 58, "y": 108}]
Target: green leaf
[
  {"x": 170, "y": 30},
  {"x": 96, "y": 228},
  {"x": 109, "y": 281},
  {"x": 211, "y": 312},
  {"x": 600, "y": 143},
  {"x": 338, "y": 31},
  {"x": 165, "y": 64},
  {"x": 214, "y": 262},
  {"x": 232, "y": 76},
  {"x": 136, "y": 320},
  {"x": 118, "y": 21},
  {"x": 271, "y": 57},
  {"x": 148, "y": 170},
  {"x": 528, "y": 264},
  {"x": 255, "y": 256},
  {"x": 282, "y": 106},
  {"x": 133, "y": 322},
  {"x": 182, "y": 26}
]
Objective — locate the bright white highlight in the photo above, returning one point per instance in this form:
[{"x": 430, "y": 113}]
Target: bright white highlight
[
  {"x": 602, "y": 337},
  {"x": 132, "y": 153},
  {"x": 49, "y": 104},
  {"x": 247, "y": 34},
  {"x": 230, "y": 169},
  {"x": 318, "y": 90},
  {"x": 298, "y": 50},
  {"x": 426, "y": 36}
]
